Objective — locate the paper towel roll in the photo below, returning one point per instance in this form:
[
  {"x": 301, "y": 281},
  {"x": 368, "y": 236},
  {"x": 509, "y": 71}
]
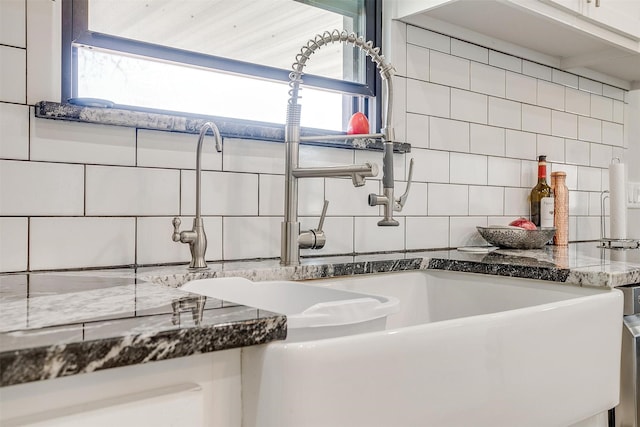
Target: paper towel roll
[{"x": 617, "y": 201}]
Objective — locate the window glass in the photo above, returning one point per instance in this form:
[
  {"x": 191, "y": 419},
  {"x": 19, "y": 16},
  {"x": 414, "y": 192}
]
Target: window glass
[
  {"x": 265, "y": 32},
  {"x": 143, "y": 82}
]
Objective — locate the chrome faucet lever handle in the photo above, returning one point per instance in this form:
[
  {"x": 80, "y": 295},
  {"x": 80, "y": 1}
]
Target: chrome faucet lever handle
[
  {"x": 399, "y": 204},
  {"x": 314, "y": 238},
  {"x": 176, "y": 229},
  {"x": 323, "y": 215}
]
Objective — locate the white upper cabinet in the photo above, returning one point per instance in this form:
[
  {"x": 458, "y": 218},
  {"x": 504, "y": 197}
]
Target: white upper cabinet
[{"x": 601, "y": 37}]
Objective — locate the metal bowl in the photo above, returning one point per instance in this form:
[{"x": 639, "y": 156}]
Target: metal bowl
[{"x": 517, "y": 238}]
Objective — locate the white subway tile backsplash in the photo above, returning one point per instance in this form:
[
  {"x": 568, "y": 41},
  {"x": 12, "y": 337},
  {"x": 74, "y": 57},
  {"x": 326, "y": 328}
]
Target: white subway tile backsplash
[
  {"x": 504, "y": 172},
  {"x": 508, "y": 62},
  {"x": 468, "y": 106},
  {"x": 271, "y": 196},
  {"x": 618, "y": 112},
  {"x": 430, "y": 165},
  {"x": 521, "y": 88},
  {"x": 428, "y": 39},
  {"x": 521, "y": 145},
  {"x": 35, "y": 188},
  {"x": 249, "y": 237},
  {"x": 486, "y": 200},
  {"x": 536, "y": 119},
  {"x": 448, "y": 199},
  {"x": 469, "y": 51},
  {"x": 154, "y": 245},
  {"x": 12, "y": 23},
  {"x": 516, "y": 202},
  {"x": 463, "y": 231},
  {"x": 589, "y": 129},
  {"x": 487, "y": 79},
  {"x": 122, "y": 191},
  {"x": 564, "y": 124},
  {"x": 601, "y": 155},
  {"x": 536, "y": 70},
  {"x": 44, "y": 57},
  {"x": 487, "y": 140},
  {"x": 589, "y": 85},
  {"x": 339, "y": 232},
  {"x": 427, "y": 98},
  {"x": 369, "y": 237},
  {"x": 505, "y": 113},
  {"x": 87, "y": 242},
  {"x": 14, "y": 137},
  {"x": 223, "y": 193},
  {"x": 323, "y": 156},
  {"x": 13, "y": 66},
  {"x": 578, "y": 203},
  {"x": 175, "y": 150},
  {"x": 576, "y": 152},
  {"x": 589, "y": 179},
  {"x": 14, "y": 234},
  {"x": 71, "y": 142},
  {"x": 311, "y": 197},
  {"x": 550, "y": 95},
  {"x": 613, "y": 92},
  {"x": 563, "y": 78},
  {"x": 587, "y": 228},
  {"x": 572, "y": 228},
  {"x": 449, "y": 70},
  {"x": 529, "y": 173},
  {"x": 601, "y": 107},
  {"x": 347, "y": 200},
  {"x": 475, "y": 154},
  {"x": 243, "y": 155},
  {"x": 427, "y": 232},
  {"x": 577, "y": 101},
  {"x": 613, "y": 134},
  {"x": 595, "y": 204},
  {"x": 450, "y": 135},
  {"x": 418, "y": 130},
  {"x": 468, "y": 169},
  {"x": 417, "y": 62},
  {"x": 552, "y": 147}
]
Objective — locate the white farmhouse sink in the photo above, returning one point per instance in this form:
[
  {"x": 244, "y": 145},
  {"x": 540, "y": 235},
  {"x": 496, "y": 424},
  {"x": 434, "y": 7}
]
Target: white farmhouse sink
[{"x": 464, "y": 350}]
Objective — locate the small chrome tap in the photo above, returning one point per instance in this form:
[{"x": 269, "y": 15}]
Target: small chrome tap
[{"x": 196, "y": 237}]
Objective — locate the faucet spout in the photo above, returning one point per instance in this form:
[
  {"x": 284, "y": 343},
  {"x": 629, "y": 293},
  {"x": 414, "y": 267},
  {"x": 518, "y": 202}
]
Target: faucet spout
[{"x": 197, "y": 238}]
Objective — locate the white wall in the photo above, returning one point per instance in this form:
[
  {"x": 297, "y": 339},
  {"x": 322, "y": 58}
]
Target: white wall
[{"x": 82, "y": 195}]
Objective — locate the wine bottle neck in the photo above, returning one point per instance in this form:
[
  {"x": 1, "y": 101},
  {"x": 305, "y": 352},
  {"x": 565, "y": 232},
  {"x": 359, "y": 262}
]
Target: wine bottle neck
[{"x": 542, "y": 171}]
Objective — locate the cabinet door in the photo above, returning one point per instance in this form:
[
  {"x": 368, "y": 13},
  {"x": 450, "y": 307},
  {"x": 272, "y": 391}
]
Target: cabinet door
[
  {"x": 621, "y": 16},
  {"x": 180, "y": 405}
]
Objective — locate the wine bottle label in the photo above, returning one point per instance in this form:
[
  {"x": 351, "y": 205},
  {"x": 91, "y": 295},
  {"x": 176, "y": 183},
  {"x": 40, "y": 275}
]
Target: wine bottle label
[{"x": 546, "y": 212}]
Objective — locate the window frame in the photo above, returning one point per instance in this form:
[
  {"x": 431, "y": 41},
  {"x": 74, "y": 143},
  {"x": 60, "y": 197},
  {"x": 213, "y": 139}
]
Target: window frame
[{"x": 75, "y": 20}]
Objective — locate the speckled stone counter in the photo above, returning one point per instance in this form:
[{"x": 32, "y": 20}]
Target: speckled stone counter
[
  {"x": 191, "y": 123},
  {"x": 56, "y": 324}
]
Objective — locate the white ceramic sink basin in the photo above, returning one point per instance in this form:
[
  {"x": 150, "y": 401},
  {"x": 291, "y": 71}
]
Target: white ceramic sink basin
[{"x": 464, "y": 350}]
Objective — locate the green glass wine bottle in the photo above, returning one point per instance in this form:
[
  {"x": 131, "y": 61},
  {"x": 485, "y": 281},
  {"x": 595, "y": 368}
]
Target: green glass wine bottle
[{"x": 542, "y": 198}]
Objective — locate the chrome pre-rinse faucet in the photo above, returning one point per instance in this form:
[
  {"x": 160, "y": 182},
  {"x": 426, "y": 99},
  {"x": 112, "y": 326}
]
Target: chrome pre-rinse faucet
[
  {"x": 292, "y": 239},
  {"x": 196, "y": 237}
]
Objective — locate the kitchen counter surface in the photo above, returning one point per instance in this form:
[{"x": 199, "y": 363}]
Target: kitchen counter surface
[{"x": 56, "y": 324}]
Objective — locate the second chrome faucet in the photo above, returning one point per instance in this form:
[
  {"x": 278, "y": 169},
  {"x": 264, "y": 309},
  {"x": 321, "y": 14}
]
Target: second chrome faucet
[{"x": 196, "y": 237}]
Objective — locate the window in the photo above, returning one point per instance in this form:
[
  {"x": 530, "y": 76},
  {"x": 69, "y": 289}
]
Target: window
[{"x": 219, "y": 57}]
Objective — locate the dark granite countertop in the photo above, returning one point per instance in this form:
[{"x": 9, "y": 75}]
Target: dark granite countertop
[{"x": 56, "y": 324}]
